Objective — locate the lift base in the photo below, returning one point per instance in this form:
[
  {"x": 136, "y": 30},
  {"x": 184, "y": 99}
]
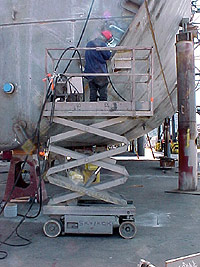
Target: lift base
[{"x": 90, "y": 218}]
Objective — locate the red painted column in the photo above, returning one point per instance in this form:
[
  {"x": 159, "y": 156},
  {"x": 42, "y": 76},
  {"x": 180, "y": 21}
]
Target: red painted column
[{"x": 187, "y": 131}]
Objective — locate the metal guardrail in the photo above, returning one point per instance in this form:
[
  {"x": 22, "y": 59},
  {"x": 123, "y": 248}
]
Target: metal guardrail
[{"x": 129, "y": 68}]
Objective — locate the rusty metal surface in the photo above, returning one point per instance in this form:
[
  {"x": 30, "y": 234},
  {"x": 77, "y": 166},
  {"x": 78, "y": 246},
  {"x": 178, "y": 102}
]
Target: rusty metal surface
[
  {"x": 187, "y": 115},
  {"x": 28, "y": 27}
]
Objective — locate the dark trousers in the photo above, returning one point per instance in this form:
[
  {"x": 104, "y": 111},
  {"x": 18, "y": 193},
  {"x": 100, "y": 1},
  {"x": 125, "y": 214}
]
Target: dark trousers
[{"x": 98, "y": 84}]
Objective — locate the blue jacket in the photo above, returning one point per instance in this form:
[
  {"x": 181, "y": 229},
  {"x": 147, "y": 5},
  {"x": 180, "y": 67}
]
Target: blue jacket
[{"x": 96, "y": 60}]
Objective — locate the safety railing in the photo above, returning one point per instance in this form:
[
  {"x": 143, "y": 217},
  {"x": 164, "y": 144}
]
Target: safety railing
[{"x": 130, "y": 91}]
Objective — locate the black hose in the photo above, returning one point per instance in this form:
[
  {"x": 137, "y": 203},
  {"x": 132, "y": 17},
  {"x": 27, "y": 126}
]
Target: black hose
[
  {"x": 68, "y": 48},
  {"x": 110, "y": 81},
  {"x": 81, "y": 36}
]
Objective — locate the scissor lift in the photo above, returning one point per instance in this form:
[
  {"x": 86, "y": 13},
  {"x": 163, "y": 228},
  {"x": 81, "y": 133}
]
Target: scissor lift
[
  {"x": 70, "y": 212},
  {"x": 81, "y": 216}
]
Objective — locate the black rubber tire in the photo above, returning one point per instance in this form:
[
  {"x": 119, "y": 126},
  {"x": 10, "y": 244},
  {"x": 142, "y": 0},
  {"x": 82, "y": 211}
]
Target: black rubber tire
[
  {"x": 127, "y": 229},
  {"x": 52, "y": 228}
]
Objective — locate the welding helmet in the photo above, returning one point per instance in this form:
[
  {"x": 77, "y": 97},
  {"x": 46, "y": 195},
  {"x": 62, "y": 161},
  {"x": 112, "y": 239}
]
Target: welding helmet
[{"x": 107, "y": 35}]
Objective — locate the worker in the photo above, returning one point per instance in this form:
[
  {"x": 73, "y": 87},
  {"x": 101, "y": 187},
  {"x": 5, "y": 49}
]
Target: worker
[{"x": 96, "y": 63}]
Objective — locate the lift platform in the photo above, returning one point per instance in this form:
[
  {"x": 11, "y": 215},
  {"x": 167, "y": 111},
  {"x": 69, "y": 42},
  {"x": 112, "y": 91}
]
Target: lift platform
[{"x": 73, "y": 212}]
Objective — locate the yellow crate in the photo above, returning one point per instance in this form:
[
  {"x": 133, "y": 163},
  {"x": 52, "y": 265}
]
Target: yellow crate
[
  {"x": 90, "y": 167},
  {"x": 89, "y": 170}
]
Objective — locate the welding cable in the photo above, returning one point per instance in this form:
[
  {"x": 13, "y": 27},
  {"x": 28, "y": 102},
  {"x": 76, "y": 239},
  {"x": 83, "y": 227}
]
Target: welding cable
[
  {"x": 61, "y": 56},
  {"x": 63, "y": 53},
  {"x": 110, "y": 81},
  {"x": 54, "y": 96},
  {"x": 39, "y": 185},
  {"x": 28, "y": 242},
  {"x": 39, "y": 188},
  {"x": 53, "y": 101},
  {"x": 81, "y": 64},
  {"x": 4, "y": 254},
  {"x": 68, "y": 80},
  {"x": 71, "y": 84},
  {"x": 15, "y": 183},
  {"x": 79, "y": 55},
  {"x": 81, "y": 36},
  {"x": 37, "y": 135},
  {"x": 37, "y": 130},
  {"x": 48, "y": 94}
]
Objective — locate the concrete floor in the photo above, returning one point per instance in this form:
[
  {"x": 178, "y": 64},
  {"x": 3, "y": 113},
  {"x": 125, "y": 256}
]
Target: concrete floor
[{"x": 167, "y": 227}]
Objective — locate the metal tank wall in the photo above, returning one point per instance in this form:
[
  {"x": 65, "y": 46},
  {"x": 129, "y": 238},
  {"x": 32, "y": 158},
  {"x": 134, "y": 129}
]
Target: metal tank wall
[
  {"x": 165, "y": 17},
  {"x": 155, "y": 25},
  {"x": 26, "y": 29}
]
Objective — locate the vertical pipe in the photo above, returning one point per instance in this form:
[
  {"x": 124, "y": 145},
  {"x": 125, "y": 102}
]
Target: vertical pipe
[
  {"x": 173, "y": 129},
  {"x": 140, "y": 146},
  {"x": 152, "y": 70},
  {"x": 186, "y": 112},
  {"x": 159, "y": 133},
  {"x": 166, "y": 137}
]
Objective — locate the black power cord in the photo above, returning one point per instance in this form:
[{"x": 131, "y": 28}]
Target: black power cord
[
  {"x": 4, "y": 254},
  {"x": 61, "y": 56},
  {"x": 61, "y": 75},
  {"x": 81, "y": 36},
  {"x": 110, "y": 81},
  {"x": 28, "y": 242},
  {"x": 37, "y": 134}
]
